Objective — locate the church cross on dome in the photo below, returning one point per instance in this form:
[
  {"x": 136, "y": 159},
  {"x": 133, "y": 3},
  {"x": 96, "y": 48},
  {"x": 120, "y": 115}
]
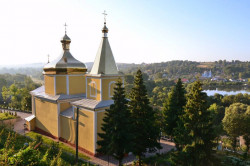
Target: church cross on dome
[
  {"x": 104, "y": 14},
  {"x": 65, "y": 25}
]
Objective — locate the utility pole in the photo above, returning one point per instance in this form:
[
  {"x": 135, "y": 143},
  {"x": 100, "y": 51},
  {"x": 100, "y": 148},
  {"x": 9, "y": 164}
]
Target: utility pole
[{"x": 77, "y": 124}]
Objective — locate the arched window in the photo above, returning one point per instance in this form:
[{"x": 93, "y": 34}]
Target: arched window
[
  {"x": 111, "y": 88},
  {"x": 93, "y": 89}
]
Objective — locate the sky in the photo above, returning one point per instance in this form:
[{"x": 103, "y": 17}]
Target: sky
[{"x": 139, "y": 30}]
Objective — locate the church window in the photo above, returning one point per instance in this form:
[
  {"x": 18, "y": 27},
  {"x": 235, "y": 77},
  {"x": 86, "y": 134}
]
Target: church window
[
  {"x": 93, "y": 89},
  {"x": 111, "y": 88}
]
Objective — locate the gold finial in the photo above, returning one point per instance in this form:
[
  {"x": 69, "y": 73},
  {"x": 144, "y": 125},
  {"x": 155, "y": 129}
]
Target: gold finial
[
  {"x": 105, "y": 14},
  {"x": 48, "y": 58},
  {"x": 65, "y": 28}
]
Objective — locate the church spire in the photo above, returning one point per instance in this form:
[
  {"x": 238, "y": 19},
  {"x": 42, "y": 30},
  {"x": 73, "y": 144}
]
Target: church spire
[{"x": 104, "y": 62}]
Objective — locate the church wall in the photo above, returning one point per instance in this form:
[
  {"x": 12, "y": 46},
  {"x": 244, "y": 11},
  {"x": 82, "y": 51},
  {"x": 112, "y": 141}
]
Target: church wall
[
  {"x": 68, "y": 127},
  {"x": 61, "y": 87},
  {"x": 107, "y": 88},
  {"x": 93, "y": 82},
  {"x": 77, "y": 84},
  {"x": 46, "y": 116},
  {"x": 49, "y": 84},
  {"x": 64, "y": 106},
  {"x": 86, "y": 132}
]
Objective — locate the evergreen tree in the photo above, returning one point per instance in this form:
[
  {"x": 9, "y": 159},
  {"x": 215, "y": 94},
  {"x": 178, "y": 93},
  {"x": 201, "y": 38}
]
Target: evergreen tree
[
  {"x": 172, "y": 110},
  {"x": 145, "y": 130},
  {"x": 198, "y": 124},
  {"x": 117, "y": 136}
]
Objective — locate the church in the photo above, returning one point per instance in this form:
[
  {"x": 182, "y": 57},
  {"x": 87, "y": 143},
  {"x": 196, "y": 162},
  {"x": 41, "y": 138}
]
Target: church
[{"x": 67, "y": 86}]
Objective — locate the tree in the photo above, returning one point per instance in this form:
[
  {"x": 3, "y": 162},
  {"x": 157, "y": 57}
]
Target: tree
[
  {"x": 146, "y": 132},
  {"x": 117, "y": 136},
  {"x": 198, "y": 124},
  {"x": 172, "y": 110},
  {"x": 218, "y": 113},
  {"x": 236, "y": 122}
]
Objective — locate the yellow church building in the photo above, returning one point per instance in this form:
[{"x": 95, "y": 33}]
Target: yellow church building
[{"x": 68, "y": 86}]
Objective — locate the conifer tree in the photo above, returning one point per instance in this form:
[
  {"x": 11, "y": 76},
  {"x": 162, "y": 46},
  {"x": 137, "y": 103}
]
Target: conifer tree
[
  {"x": 117, "y": 136},
  {"x": 198, "y": 124},
  {"x": 145, "y": 130},
  {"x": 172, "y": 110}
]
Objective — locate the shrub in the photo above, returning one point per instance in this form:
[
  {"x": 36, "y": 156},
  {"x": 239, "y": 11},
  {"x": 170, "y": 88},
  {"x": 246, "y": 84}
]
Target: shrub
[{"x": 38, "y": 139}]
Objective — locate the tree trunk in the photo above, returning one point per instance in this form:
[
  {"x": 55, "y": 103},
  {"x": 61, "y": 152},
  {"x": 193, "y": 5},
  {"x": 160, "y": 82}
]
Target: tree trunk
[
  {"x": 120, "y": 162},
  {"x": 139, "y": 157}
]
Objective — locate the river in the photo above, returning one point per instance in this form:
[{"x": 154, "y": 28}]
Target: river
[{"x": 232, "y": 92}]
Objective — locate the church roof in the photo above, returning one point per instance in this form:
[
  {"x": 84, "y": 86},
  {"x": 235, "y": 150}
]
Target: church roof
[
  {"x": 68, "y": 113},
  {"x": 92, "y": 104},
  {"x": 104, "y": 62},
  {"x": 40, "y": 93},
  {"x": 65, "y": 63}
]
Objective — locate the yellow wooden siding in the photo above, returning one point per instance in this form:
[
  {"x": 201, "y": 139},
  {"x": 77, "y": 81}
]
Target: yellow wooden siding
[
  {"x": 86, "y": 132},
  {"x": 77, "y": 84},
  {"x": 61, "y": 87},
  {"x": 68, "y": 127},
  {"x": 32, "y": 124},
  {"x": 105, "y": 88},
  {"x": 46, "y": 116},
  {"x": 91, "y": 82},
  {"x": 64, "y": 106},
  {"x": 49, "y": 84}
]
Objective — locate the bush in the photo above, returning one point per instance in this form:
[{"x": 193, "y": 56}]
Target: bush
[{"x": 38, "y": 139}]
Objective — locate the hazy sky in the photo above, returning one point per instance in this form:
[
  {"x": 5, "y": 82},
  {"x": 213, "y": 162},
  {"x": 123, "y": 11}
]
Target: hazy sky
[{"x": 139, "y": 30}]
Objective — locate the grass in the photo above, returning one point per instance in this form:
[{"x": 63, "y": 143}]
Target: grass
[
  {"x": 5, "y": 116},
  {"x": 49, "y": 141}
]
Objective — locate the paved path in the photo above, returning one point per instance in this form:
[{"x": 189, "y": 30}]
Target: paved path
[
  {"x": 103, "y": 160},
  {"x": 18, "y": 126}
]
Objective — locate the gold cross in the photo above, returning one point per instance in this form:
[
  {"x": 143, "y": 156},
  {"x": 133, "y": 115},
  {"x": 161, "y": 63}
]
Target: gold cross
[
  {"x": 65, "y": 27},
  {"x": 105, "y": 14}
]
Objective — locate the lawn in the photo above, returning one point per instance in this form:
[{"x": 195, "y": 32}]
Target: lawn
[
  {"x": 5, "y": 116},
  {"x": 49, "y": 141}
]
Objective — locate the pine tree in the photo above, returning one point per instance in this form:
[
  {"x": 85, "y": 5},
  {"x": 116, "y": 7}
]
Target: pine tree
[
  {"x": 145, "y": 130},
  {"x": 117, "y": 136},
  {"x": 198, "y": 124},
  {"x": 172, "y": 110}
]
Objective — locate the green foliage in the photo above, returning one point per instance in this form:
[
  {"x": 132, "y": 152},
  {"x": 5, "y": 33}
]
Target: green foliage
[
  {"x": 217, "y": 113},
  {"x": 27, "y": 156},
  {"x": 5, "y": 116},
  {"x": 117, "y": 136},
  {"x": 236, "y": 122},
  {"x": 14, "y": 152},
  {"x": 239, "y": 98},
  {"x": 198, "y": 124},
  {"x": 172, "y": 111},
  {"x": 50, "y": 142},
  {"x": 146, "y": 132},
  {"x": 15, "y": 93}
]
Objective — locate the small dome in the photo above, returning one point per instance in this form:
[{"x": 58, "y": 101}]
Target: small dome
[
  {"x": 65, "y": 38},
  {"x": 65, "y": 63},
  {"x": 105, "y": 29}
]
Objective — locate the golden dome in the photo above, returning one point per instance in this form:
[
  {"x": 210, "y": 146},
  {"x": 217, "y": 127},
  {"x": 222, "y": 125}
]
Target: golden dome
[{"x": 65, "y": 63}]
